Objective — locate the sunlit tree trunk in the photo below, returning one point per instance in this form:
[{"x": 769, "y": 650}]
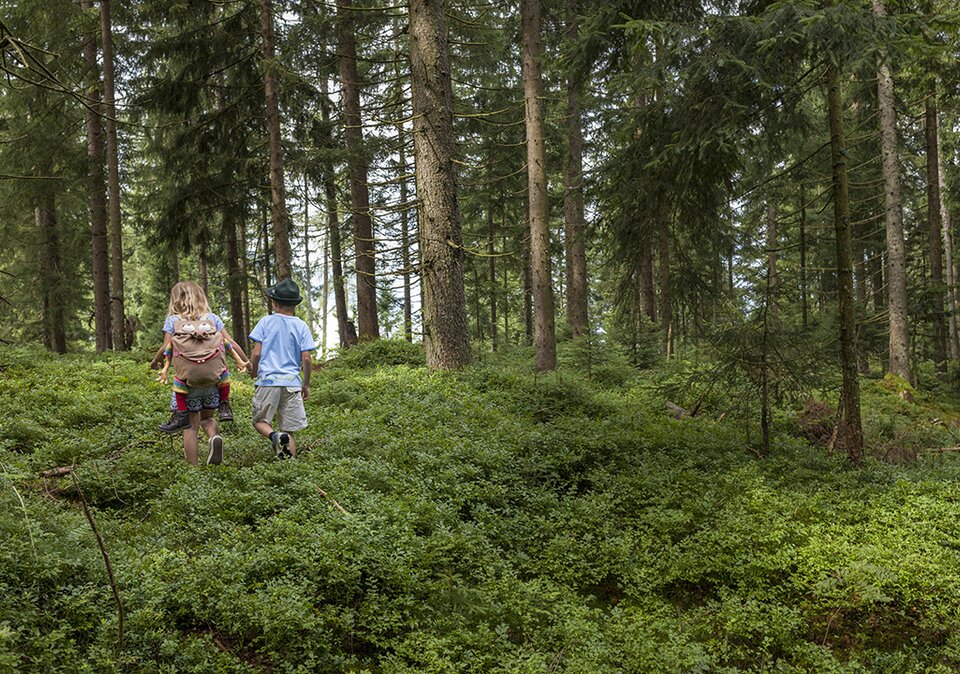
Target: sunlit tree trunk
[
  {"x": 851, "y": 435},
  {"x": 278, "y": 203},
  {"x": 367, "y": 320},
  {"x": 446, "y": 335},
  {"x": 544, "y": 333},
  {"x": 307, "y": 285},
  {"x": 100, "y": 263}
]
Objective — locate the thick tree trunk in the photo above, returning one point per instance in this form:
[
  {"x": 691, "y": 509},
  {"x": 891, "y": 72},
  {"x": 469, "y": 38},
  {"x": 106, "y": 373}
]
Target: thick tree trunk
[
  {"x": 573, "y": 210},
  {"x": 527, "y": 285},
  {"x": 545, "y": 341},
  {"x": 278, "y": 203},
  {"x": 98, "y": 210},
  {"x": 899, "y": 343},
  {"x": 935, "y": 236},
  {"x": 367, "y": 319},
  {"x": 117, "y": 313},
  {"x": 345, "y": 328},
  {"x": 51, "y": 278},
  {"x": 648, "y": 289},
  {"x": 202, "y": 266},
  {"x": 174, "y": 265},
  {"x": 446, "y": 335},
  {"x": 851, "y": 436},
  {"x": 234, "y": 277}
]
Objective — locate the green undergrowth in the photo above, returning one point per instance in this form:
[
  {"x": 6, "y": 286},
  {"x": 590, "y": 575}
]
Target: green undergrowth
[{"x": 498, "y": 522}]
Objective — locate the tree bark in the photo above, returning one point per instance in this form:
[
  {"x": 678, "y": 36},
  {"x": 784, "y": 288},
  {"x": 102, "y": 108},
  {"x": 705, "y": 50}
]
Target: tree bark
[
  {"x": 98, "y": 210},
  {"x": 851, "y": 435},
  {"x": 666, "y": 307},
  {"x": 935, "y": 236},
  {"x": 573, "y": 210},
  {"x": 51, "y": 277},
  {"x": 307, "y": 286},
  {"x": 804, "y": 308},
  {"x": 648, "y": 294},
  {"x": 772, "y": 241},
  {"x": 527, "y": 282},
  {"x": 899, "y": 343},
  {"x": 365, "y": 265},
  {"x": 117, "y": 313},
  {"x": 202, "y": 267},
  {"x": 492, "y": 274},
  {"x": 244, "y": 282},
  {"x": 345, "y": 328},
  {"x": 446, "y": 335},
  {"x": 324, "y": 316},
  {"x": 234, "y": 278},
  {"x": 278, "y": 203},
  {"x": 545, "y": 341},
  {"x": 947, "y": 223}
]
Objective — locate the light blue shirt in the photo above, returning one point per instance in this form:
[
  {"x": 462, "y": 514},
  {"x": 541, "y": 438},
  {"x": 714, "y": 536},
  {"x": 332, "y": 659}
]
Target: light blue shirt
[
  {"x": 282, "y": 339},
  {"x": 213, "y": 318}
]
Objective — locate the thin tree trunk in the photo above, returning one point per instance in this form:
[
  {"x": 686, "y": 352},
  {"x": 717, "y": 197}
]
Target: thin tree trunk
[
  {"x": 174, "y": 265},
  {"x": 324, "y": 316},
  {"x": 51, "y": 276},
  {"x": 278, "y": 203},
  {"x": 527, "y": 288},
  {"x": 852, "y": 431},
  {"x": 234, "y": 278},
  {"x": 648, "y": 291},
  {"x": 545, "y": 341},
  {"x": 492, "y": 274},
  {"x": 573, "y": 210},
  {"x": 404, "y": 189},
  {"x": 345, "y": 328},
  {"x": 202, "y": 264},
  {"x": 98, "y": 209},
  {"x": 947, "y": 224},
  {"x": 935, "y": 236},
  {"x": 446, "y": 334},
  {"x": 804, "y": 308},
  {"x": 666, "y": 308},
  {"x": 117, "y": 313},
  {"x": 773, "y": 246},
  {"x": 367, "y": 319},
  {"x": 307, "y": 286},
  {"x": 244, "y": 282}
]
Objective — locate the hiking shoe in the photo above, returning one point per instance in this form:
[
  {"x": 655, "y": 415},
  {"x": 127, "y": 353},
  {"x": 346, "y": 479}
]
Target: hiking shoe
[
  {"x": 215, "y": 455},
  {"x": 225, "y": 413},
  {"x": 281, "y": 446},
  {"x": 177, "y": 422}
]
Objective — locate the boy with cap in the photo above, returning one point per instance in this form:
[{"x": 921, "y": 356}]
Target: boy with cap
[{"x": 282, "y": 346}]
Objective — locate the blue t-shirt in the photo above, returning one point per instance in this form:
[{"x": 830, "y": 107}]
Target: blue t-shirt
[
  {"x": 213, "y": 318},
  {"x": 282, "y": 339}
]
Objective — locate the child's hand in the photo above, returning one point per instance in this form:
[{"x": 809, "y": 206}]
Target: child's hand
[
  {"x": 305, "y": 392},
  {"x": 162, "y": 377}
]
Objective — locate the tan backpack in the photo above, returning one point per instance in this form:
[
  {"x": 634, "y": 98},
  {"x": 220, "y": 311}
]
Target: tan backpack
[{"x": 198, "y": 352}]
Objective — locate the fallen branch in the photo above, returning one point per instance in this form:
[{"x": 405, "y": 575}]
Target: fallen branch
[
  {"x": 59, "y": 471},
  {"x": 941, "y": 449},
  {"x": 106, "y": 561},
  {"x": 333, "y": 501}
]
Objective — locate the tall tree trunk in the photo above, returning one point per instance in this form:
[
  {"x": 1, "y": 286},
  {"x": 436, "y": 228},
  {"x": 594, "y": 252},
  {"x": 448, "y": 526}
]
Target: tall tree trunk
[
  {"x": 527, "y": 283},
  {"x": 773, "y": 280},
  {"x": 545, "y": 341},
  {"x": 117, "y": 314},
  {"x": 234, "y": 278},
  {"x": 935, "y": 236},
  {"x": 947, "y": 223},
  {"x": 244, "y": 282},
  {"x": 367, "y": 320},
  {"x": 405, "y": 259},
  {"x": 492, "y": 273},
  {"x": 851, "y": 436},
  {"x": 325, "y": 314},
  {"x": 573, "y": 211},
  {"x": 804, "y": 308},
  {"x": 278, "y": 203},
  {"x": 899, "y": 344},
  {"x": 267, "y": 267},
  {"x": 174, "y": 264},
  {"x": 446, "y": 335},
  {"x": 666, "y": 307},
  {"x": 307, "y": 286},
  {"x": 51, "y": 277},
  {"x": 202, "y": 270},
  {"x": 345, "y": 328},
  {"x": 648, "y": 291},
  {"x": 98, "y": 209}
]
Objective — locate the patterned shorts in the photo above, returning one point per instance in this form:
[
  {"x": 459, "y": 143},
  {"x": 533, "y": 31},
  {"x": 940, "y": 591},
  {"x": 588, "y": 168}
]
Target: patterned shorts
[{"x": 207, "y": 398}]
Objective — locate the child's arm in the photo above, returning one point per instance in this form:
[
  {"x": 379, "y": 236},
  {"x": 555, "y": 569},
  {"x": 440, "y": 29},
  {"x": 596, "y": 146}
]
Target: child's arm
[
  {"x": 155, "y": 363},
  {"x": 239, "y": 357},
  {"x": 166, "y": 351},
  {"x": 306, "y": 363},
  {"x": 254, "y": 360}
]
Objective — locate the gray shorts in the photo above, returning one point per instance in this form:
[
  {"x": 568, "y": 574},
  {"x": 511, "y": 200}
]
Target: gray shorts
[{"x": 283, "y": 402}]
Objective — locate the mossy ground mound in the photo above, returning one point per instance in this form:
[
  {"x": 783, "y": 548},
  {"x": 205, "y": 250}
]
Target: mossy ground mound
[{"x": 498, "y": 522}]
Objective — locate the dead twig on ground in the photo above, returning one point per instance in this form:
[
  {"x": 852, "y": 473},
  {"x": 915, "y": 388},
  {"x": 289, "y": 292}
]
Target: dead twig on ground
[{"x": 333, "y": 501}]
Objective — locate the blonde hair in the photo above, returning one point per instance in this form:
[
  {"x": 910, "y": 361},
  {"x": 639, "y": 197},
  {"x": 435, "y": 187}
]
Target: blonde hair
[{"x": 188, "y": 301}]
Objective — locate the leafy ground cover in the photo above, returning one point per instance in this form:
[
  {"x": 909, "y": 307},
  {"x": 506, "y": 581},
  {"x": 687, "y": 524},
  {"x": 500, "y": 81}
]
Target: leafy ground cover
[{"x": 498, "y": 522}]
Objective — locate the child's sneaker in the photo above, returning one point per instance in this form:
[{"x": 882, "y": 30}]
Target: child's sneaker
[
  {"x": 225, "y": 413},
  {"x": 281, "y": 446},
  {"x": 215, "y": 455},
  {"x": 177, "y": 422}
]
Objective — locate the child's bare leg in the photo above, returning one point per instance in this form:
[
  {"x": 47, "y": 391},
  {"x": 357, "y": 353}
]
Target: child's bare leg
[
  {"x": 190, "y": 439},
  {"x": 263, "y": 428},
  {"x": 209, "y": 423}
]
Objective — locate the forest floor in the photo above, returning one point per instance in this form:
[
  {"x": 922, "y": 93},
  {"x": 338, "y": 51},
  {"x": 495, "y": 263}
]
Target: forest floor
[{"x": 496, "y": 521}]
